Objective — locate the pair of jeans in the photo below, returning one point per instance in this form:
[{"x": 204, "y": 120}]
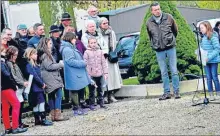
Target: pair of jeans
[
  {"x": 9, "y": 98},
  {"x": 172, "y": 61},
  {"x": 211, "y": 70},
  {"x": 55, "y": 99},
  {"x": 92, "y": 88}
]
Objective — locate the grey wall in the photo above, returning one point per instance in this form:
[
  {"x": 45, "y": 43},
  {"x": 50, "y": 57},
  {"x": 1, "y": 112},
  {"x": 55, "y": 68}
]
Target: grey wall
[
  {"x": 131, "y": 21},
  {"x": 193, "y": 14},
  {"x": 127, "y": 22}
]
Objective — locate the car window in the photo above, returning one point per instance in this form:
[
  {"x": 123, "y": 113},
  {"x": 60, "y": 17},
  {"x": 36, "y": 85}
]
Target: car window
[{"x": 126, "y": 43}]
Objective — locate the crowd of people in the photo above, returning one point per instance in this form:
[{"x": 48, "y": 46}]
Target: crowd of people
[{"x": 68, "y": 61}]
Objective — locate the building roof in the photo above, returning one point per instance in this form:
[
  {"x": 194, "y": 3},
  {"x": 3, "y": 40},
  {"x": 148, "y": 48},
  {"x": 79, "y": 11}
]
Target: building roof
[{"x": 121, "y": 10}]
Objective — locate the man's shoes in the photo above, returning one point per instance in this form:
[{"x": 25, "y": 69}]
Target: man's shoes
[
  {"x": 177, "y": 95},
  {"x": 165, "y": 96}
]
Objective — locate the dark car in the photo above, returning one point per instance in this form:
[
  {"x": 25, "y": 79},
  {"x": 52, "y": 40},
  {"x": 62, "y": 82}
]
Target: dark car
[{"x": 125, "y": 49}]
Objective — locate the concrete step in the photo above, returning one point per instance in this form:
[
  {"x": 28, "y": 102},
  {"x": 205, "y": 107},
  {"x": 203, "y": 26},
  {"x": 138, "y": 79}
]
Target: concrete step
[{"x": 152, "y": 90}]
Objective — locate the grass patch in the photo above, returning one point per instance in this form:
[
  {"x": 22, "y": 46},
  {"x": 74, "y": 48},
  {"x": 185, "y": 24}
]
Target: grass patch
[{"x": 131, "y": 81}]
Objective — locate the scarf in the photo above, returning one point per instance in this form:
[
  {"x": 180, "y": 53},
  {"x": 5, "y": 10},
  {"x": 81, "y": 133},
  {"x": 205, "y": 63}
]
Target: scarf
[
  {"x": 95, "y": 34},
  {"x": 108, "y": 32},
  {"x": 157, "y": 19}
]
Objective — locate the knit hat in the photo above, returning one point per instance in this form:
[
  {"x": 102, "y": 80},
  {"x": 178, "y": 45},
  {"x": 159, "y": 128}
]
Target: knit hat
[{"x": 21, "y": 26}]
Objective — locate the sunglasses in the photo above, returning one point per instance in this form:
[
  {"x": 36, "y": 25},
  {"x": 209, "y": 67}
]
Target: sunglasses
[{"x": 9, "y": 34}]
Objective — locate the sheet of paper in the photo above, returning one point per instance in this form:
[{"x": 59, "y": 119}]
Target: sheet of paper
[
  {"x": 28, "y": 88},
  {"x": 204, "y": 55}
]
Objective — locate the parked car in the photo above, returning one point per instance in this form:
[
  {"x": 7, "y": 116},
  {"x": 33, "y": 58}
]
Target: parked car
[{"x": 125, "y": 48}]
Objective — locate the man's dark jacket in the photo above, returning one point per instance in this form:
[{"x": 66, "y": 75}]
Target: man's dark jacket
[{"x": 163, "y": 35}]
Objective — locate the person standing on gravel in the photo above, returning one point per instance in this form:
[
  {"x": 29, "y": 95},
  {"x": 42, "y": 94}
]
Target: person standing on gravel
[
  {"x": 210, "y": 43},
  {"x": 162, "y": 31}
]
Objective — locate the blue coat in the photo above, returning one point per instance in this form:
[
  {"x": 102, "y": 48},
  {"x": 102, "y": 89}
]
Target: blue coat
[
  {"x": 212, "y": 46},
  {"x": 33, "y": 42},
  {"x": 75, "y": 74},
  {"x": 37, "y": 92}
]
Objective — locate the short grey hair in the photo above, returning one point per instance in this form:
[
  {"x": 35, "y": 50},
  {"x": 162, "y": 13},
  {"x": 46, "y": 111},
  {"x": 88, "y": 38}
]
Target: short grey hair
[
  {"x": 36, "y": 26},
  {"x": 91, "y": 7},
  {"x": 90, "y": 22},
  {"x": 4, "y": 30},
  {"x": 102, "y": 19}
]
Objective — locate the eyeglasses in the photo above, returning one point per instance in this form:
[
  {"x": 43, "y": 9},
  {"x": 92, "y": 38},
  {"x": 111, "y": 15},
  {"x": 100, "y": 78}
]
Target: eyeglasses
[
  {"x": 9, "y": 34},
  {"x": 23, "y": 29}
]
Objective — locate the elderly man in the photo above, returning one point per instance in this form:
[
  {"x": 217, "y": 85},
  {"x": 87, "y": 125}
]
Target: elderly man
[
  {"x": 162, "y": 31},
  {"x": 21, "y": 39},
  {"x": 93, "y": 15},
  {"x": 91, "y": 32},
  {"x": 66, "y": 20},
  {"x": 39, "y": 33}
]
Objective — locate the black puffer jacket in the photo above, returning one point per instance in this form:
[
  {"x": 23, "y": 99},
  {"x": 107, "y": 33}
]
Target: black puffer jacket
[
  {"x": 21, "y": 44},
  {"x": 7, "y": 81}
]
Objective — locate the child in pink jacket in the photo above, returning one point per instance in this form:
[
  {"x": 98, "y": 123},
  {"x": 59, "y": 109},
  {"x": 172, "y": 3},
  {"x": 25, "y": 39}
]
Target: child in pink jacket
[{"x": 97, "y": 68}]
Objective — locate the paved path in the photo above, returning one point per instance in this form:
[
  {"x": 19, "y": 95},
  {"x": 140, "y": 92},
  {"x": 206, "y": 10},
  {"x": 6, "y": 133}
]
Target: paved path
[{"x": 140, "y": 117}]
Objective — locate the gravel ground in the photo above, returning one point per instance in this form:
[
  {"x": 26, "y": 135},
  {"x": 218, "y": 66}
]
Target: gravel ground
[{"x": 139, "y": 117}]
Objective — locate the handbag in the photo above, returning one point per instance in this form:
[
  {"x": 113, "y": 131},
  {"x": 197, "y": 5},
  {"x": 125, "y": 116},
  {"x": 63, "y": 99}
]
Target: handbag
[{"x": 112, "y": 56}]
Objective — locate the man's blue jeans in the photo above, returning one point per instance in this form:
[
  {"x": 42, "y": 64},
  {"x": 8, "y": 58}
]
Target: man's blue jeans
[
  {"x": 172, "y": 60},
  {"x": 211, "y": 70}
]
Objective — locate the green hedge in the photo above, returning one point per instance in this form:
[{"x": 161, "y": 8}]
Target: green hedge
[
  {"x": 144, "y": 59},
  {"x": 51, "y": 11}
]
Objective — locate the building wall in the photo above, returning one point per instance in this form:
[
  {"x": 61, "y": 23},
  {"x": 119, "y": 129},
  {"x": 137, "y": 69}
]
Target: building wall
[
  {"x": 127, "y": 22},
  {"x": 131, "y": 21},
  {"x": 22, "y": 13}
]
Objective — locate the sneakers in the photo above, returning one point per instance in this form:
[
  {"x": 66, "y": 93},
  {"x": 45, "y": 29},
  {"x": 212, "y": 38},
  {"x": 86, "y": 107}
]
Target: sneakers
[
  {"x": 177, "y": 95},
  {"x": 46, "y": 123},
  {"x": 8, "y": 131},
  {"x": 92, "y": 108},
  {"x": 79, "y": 112},
  {"x": 19, "y": 130},
  {"x": 217, "y": 96},
  {"x": 165, "y": 96},
  {"x": 84, "y": 105},
  {"x": 211, "y": 96}
]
